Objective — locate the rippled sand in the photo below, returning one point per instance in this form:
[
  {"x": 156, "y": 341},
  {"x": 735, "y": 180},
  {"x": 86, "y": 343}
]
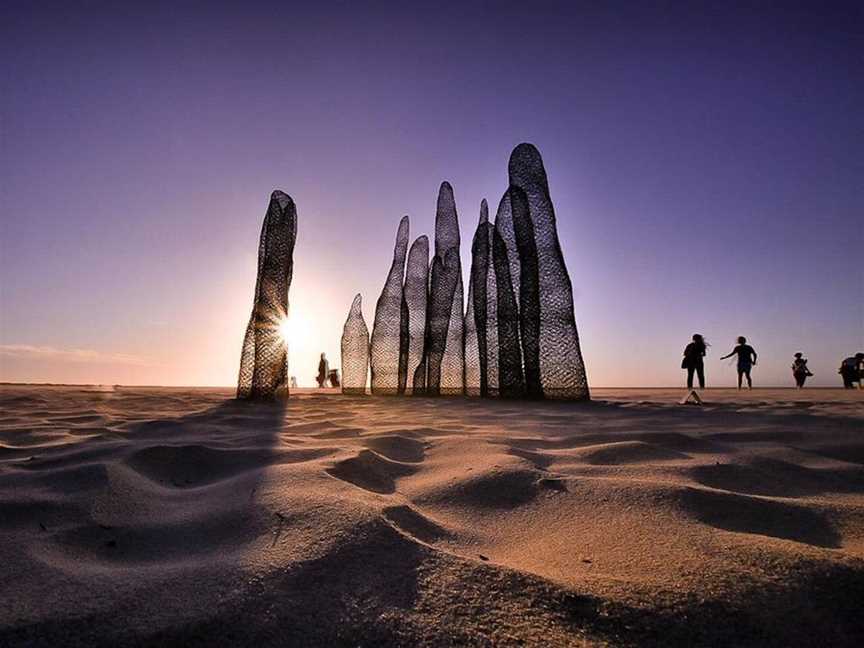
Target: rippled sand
[{"x": 179, "y": 516}]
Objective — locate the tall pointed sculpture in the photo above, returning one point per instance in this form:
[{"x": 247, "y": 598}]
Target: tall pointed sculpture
[
  {"x": 416, "y": 286},
  {"x": 388, "y": 359},
  {"x": 264, "y": 358},
  {"x": 561, "y": 367},
  {"x": 511, "y": 382},
  {"x": 355, "y": 350},
  {"x": 445, "y": 354},
  {"x": 529, "y": 292},
  {"x": 491, "y": 317},
  {"x": 476, "y": 335}
]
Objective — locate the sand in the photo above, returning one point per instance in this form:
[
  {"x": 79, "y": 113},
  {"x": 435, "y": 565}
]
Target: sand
[{"x": 179, "y": 516}]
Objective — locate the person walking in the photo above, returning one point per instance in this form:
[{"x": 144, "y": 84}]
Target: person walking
[
  {"x": 323, "y": 371},
  {"x": 746, "y": 360},
  {"x": 693, "y": 360},
  {"x": 851, "y": 369},
  {"x": 799, "y": 370}
]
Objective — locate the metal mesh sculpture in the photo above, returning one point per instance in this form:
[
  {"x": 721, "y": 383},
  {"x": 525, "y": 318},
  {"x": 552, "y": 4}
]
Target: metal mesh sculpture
[
  {"x": 476, "y": 347},
  {"x": 532, "y": 347},
  {"x": 414, "y": 291},
  {"x": 445, "y": 352},
  {"x": 518, "y": 336},
  {"x": 561, "y": 367},
  {"x": 264, "y": 358},
  {"x": 390, "y": 330},
  {"x": 355, "y": 350},
  {"x": 511, "y": 383}
]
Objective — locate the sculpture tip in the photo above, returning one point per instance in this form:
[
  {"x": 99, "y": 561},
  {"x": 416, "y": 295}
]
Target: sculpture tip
[{"x": 282, "y": 198}]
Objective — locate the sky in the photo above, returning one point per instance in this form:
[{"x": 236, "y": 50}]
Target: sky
[{"x": 705, "y": 162}]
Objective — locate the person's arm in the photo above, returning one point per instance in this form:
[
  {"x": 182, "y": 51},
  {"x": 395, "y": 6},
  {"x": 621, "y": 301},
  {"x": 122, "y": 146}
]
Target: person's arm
[
  {"x": 753, "y": 352},
  {"x": 729, "y": 355}
]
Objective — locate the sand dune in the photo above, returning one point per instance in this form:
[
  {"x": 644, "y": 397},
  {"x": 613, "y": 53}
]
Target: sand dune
[{"x": 179, "y": 516}]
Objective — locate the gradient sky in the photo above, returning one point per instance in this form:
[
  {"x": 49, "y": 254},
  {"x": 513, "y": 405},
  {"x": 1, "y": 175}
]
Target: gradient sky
[{"x": 706, "y": 162}]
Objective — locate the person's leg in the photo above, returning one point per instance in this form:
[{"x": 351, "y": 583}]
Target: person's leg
[
  {"x": 700, "y": 372},
  {"x": 740, "y": 376},
  {"x": 690, "y": 371},
  {"x": 749, "y": 380}
]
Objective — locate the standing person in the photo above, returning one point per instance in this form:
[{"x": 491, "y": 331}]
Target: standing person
[
  {"x": 693, "y": 363},
  {"x": 852, "y": 369},
  {"x": 323, "y": 371},
  {"x": 746, "y": 360},
  {"x": 799, "y": 370}
]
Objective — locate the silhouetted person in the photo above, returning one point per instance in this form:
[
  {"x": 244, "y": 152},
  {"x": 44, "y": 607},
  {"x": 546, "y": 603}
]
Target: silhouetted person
[
  {"x": 799, "y": 370},
  {"x": 852, "y": 369},
  {"x": 693, "y": 363},
  {"x": 323, "y": 371},
  {"x": 746, "y": 360}
]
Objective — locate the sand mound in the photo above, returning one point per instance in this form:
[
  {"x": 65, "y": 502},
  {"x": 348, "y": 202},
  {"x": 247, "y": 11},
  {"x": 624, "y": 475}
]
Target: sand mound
[{"x": 626, "y": 452}]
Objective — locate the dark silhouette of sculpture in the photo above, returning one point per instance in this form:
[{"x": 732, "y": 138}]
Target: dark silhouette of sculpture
[
  {"x": 414, "y": 291},
  {"x": 562, "y": 370},
  {"x": 511, "y": 382},
  {"x": 389, "y": 331},
  {"x": 355, "y": 350},
  {"x": 264, "y": 358},
  {"x": 444, "y": 352},
  {"x": 476, "y": 319},
  {"x": 529, "y": 292}
]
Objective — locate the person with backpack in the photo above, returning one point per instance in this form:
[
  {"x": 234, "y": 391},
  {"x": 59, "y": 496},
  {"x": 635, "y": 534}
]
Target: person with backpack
[{"x": 693, "y": 360}]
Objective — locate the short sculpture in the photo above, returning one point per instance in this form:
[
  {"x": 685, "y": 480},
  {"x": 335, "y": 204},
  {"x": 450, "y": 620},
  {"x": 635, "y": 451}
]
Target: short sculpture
[
  {"x": 355, "y": 350},
  {"x": 264, "y": 358}
]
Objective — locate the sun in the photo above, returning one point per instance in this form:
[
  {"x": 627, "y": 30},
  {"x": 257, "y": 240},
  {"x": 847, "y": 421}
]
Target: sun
[
  {"x": 285, "y": 329},
  {"x": 294, "y": 331}
]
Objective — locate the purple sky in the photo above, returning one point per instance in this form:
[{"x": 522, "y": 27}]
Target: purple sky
[{"x": 707, "y": 168}]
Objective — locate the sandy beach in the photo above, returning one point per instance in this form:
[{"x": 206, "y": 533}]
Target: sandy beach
[{"x": 169, "y": 516}]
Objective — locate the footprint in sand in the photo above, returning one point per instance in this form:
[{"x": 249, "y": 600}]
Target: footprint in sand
[
  {"x": 398, "y": 448},
  {"x": 371, "y": 471},
  {"x": 744, "y": 514},
  {"x": 415, "y": 524}
]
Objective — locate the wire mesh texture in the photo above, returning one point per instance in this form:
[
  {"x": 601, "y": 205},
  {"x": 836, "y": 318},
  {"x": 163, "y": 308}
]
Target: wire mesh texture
[
  {"x": 355, "y": 350},
  {"x": 561, "y": 367},
  {"x": 264, "y": 357},
  {"x": 518, "y": 336},
  {"x": 476, "y": 334},
  {"x": 391, "y": 317},
  {"x": 416, "y": 285},
  {"x": 446, "y": 357}
]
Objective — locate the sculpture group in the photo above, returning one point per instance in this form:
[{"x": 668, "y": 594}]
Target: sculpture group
[{"x": 517, "y": 338}]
